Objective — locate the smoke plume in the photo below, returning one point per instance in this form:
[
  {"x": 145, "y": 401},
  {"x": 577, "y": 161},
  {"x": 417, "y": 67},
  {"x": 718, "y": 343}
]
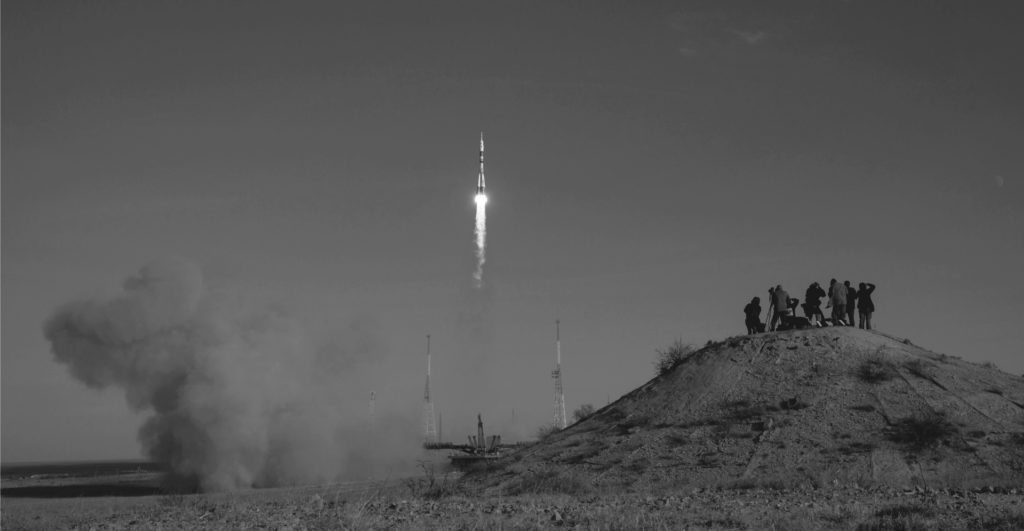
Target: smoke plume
[
  {"x": 239, "y": 398},
  {"x": 481, "y": 239}
]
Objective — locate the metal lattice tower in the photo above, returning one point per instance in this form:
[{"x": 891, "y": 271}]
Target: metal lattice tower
[
  {"x": 559, "y": 417},
  {"x": 429, "y": 429},
  {"x": 373, "y": 419}
]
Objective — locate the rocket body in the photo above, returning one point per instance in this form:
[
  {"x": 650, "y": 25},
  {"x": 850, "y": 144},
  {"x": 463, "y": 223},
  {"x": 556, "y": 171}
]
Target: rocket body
[{"x": 480, "y": 184}]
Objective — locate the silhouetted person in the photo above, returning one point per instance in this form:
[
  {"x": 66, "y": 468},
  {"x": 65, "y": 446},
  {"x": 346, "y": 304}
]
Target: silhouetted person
[
  {"x": 753, "y": 313},
  {"x": 812, "y": 304},
  {"x": 865, "y": 305},
  {"x": 837, "y": 300},
  {"x": 851, "y": 301},
  {"x": 780, "y": 300}
]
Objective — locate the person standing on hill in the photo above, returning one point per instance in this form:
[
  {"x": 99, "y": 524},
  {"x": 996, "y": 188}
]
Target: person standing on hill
[
  {"x": 812, "y": 304},
  {"x": 753, "y": 312},
  {"x": 865, "y": 305},
  {"x": 780, "y": 299},
  {"x": 851, "y": 301},
  {"x": 837, "y": 300}
]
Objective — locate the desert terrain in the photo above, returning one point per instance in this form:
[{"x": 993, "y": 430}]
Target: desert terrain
[{"x": 830, "y": 428}]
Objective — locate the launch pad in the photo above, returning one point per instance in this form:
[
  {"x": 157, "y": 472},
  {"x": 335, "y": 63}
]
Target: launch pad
[{"x": 479, "y": 450}]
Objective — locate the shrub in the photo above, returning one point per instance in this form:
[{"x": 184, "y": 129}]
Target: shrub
[
  {"x": 874, "y": 368},
  {"x": 995, "y": 391},
  {"x": 547, "y": 430},
  {"x": 669, "y": 357},
  {"x": 583, "y": 412},
  {"x": 921, "y": 431}
]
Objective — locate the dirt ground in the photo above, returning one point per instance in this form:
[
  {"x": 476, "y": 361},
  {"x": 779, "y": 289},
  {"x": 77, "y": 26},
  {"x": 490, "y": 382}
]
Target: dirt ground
[
  {"x": 801, "y": 430},
  {"x": 409, "y": 504}
]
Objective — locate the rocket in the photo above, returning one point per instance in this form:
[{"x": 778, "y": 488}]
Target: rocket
[{"x": 480, "y": 180}]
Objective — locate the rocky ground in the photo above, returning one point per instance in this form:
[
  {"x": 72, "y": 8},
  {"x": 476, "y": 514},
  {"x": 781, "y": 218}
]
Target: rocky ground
[{"x": 839, "y": 508}]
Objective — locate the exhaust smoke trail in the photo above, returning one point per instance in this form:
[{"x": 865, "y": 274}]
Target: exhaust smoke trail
[
  {"x": 239, "y": 398},
  {"x": 481, "y": 221},
  {"x": 481, "y": 239}
]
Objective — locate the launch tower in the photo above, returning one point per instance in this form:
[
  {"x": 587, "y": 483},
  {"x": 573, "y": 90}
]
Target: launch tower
[
  {"x": 559, "y": 417},
  {"x": 429, "y": 429}
]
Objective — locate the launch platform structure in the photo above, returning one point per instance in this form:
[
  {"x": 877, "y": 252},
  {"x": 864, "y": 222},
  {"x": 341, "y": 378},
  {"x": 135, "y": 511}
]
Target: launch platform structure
[
  {"x": 559, "y": 416},
  {"x": 429, "y": 434}
]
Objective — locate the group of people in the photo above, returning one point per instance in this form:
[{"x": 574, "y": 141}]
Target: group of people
[{"x": 843, "y": 298}]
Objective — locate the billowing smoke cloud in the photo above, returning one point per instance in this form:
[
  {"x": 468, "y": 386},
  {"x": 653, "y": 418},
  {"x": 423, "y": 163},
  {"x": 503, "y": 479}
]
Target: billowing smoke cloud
[{"x": 239, "y": 398}]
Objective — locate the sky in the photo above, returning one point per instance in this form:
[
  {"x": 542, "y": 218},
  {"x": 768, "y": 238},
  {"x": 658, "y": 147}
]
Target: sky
[{"x": 651, "y": 167}]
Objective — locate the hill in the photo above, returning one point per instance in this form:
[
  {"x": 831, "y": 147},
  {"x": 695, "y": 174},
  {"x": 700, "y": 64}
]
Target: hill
[{"x": 832, "y": 406}]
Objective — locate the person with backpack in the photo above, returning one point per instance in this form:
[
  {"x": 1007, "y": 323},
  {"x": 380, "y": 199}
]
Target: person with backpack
[
  {"x": 851, "y": 301},
  {"x": 865, "y": 305},
  {"x": 753, "y": 313}
]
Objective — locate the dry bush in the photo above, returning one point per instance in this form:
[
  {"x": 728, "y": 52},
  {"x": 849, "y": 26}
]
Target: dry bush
[
  {"x": 546, "y": 430},
  {"x": 921, "y": 431},
  {"x": 669, "y": 357},
  {"x": 875, "y": 367},
  {"x": 583, "y": 412}
]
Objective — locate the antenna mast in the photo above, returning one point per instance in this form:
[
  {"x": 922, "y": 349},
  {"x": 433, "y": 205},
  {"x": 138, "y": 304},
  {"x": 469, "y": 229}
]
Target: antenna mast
[
  {"x": 429, "y": 429},
  {"x": 373, "y": 420},
  {"x": 559, "y": 416}
]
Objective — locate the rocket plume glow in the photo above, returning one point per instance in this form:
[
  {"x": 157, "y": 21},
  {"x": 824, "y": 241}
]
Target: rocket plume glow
[{"x": 481, "y": 221}]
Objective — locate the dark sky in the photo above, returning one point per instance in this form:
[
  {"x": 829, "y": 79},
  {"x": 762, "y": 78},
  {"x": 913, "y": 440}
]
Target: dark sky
[{"x": 651, "y": 167}]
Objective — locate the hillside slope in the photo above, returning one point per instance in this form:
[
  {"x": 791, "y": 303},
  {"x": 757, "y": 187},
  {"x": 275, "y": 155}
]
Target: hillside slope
[{"x": 824, "y": 406}]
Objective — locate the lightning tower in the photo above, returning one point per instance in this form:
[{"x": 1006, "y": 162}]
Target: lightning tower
[
  {"x": 559, "y": 417},
  {"x": 373, "y": 420},
  {"x": 429, "y": 430}
]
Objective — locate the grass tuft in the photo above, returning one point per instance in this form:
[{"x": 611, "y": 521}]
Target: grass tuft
[{"x": 548, "y": 482}]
